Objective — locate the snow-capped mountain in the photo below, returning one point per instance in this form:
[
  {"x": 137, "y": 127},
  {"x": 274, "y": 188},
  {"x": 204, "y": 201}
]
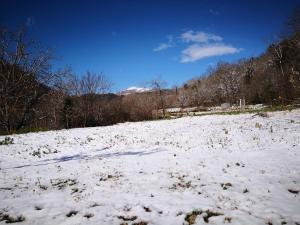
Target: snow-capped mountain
[{"x": 133, "y": 89}]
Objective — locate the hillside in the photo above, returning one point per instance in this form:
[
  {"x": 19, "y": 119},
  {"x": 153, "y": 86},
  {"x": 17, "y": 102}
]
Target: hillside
[{"x": 237, "y": 169}]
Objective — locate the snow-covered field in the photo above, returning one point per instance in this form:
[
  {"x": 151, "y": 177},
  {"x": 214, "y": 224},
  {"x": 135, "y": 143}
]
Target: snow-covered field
[{"x": 241, "y": 169}]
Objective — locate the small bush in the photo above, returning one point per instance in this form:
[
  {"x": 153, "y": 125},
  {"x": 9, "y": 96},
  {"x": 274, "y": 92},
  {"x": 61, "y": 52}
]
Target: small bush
[
  {"x": 7, "y": 141},
  {"x": 11, "y": 219},
  {"x": 71, "y": 213},
  {"x": 258, "y": 125}
]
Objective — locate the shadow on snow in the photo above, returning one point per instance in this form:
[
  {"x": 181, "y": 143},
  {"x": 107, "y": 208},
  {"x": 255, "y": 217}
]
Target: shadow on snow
[{"x": 90, "y": 157}]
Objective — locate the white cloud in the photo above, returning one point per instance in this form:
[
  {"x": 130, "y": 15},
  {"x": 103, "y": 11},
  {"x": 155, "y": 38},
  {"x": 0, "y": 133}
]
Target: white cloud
[
  {"x": 196, "y": 52},
  {"x": 214, "y": 12},
  {"x": 199, "y": 37},
  {"x": 162, "y": 46},
  {"x": 198, "y": 45}
]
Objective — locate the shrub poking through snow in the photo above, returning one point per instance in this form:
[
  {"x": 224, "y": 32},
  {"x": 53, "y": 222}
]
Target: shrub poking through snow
[
  {"x": 227, "y": 220},
  {"x": 7, "y": 141},
  {"x": 208, "y": 214},
  {"x": 88, "y": 215},
  {"x": 71, "y": 213},
  {"x": 127, "y": 218},
  {"x": 191, "y": 217},
  {"x": 11, "y": 219},
  {"x": 258, "y": 125},
  {"x": 293, "y": 191},
  {"x": 140, "y": 223},
  {"x": 37, "y": 207},
  {"x": 62, "y": 183},
  {"x": 147, "y": 209},
  {"x": 245, "y": 191},
  {"x": 225, "y": 186}
]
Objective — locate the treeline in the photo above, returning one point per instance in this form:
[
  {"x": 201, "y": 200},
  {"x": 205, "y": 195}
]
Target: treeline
[{"x": 34, "y": 97}]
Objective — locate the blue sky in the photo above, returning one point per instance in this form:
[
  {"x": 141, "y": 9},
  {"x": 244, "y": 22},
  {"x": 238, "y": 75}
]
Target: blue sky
[{"x": 132, "y": 42}]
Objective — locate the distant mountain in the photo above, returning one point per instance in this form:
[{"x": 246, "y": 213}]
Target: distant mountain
[{"x": 133, "y": 90}]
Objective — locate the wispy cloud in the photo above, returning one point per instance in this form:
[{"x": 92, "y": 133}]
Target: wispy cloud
[
  {"x": 199, "y": 37},
  {"x": 214, "y": 12},
  {"x": 196, "y": 52},
  {"x": 162, "y": 46}
]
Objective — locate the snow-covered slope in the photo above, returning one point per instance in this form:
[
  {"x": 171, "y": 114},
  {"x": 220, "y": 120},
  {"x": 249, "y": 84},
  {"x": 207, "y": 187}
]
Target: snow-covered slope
[
  {"x": 242, "y": 169},
  {"x": 132, "y": 90}
]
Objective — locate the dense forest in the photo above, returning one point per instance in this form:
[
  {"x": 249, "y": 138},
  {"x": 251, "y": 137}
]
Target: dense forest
[{"x": 34, "y": 97}]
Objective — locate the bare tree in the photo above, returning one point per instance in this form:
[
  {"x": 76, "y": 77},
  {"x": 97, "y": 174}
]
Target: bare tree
[
  {"x": 229, "y": 81},
  {"x": 183, "y": 97},
  {"x": 90, "y": 86},
  {"x": 25, "y": 79},
  {"x": 158, "y": 86},
  {"x": 94, "y": 83}
]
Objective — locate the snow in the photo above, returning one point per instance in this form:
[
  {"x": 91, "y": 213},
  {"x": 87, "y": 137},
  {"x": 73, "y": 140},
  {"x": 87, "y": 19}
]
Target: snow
[
  {"x": 134, "y": 89},
  {"x": 138, "y": 89},
  {"x": 240, "y": 167}
]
